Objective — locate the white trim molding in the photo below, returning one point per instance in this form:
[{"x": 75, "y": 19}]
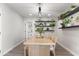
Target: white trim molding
[{"x": 12, "y": 48}]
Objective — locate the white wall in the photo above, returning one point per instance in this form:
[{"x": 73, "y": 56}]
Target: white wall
[
  {"x": 0, "y": 27},
  {"x": 12, "y": 29},
  {"x": 69, "y": 38}
]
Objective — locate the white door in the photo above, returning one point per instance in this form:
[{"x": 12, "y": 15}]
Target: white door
[{"x": 29, "y": 29}]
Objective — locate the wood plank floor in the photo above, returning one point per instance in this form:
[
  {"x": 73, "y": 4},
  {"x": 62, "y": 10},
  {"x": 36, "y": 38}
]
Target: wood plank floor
[{"x": 19, "y": 51}]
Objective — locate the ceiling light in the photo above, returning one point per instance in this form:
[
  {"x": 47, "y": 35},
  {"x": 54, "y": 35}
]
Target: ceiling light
[{"x": 39, "y": 11}]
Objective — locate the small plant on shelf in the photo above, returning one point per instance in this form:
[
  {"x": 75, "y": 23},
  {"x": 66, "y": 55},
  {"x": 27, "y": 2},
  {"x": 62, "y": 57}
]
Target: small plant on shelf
[
  {"x": 65, "y": 22},
  {"x": 39, "y": 25},
  {"x": 53, "y": 24},
  {"x": 73, "y": 6}
]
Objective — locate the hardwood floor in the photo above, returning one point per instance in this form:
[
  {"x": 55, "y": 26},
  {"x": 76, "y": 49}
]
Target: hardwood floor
[{"x": 19, "y": 51}]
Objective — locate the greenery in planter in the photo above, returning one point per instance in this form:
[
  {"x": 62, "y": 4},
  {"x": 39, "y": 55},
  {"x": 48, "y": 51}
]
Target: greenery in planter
[
  {"x": 41, "y": 24},
  {"x": 66, "y": 21},
  {"x": 73, "y": 6},
  {"x": 40, "y": 30}
]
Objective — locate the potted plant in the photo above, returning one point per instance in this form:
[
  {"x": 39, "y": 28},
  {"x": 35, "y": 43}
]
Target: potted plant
[
  {"x": 73, "y": 7},
  {"x": 65, "y": 22},
  {"x": 40, "y": 31},
  {"x": 53, "y": 24}
]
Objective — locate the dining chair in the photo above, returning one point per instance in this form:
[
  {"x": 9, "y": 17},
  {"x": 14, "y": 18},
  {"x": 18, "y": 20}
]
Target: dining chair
[{"x": 52, "y": 47}]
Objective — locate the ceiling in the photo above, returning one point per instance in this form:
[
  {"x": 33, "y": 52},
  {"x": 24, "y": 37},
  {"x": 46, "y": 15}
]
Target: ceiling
[{"x": 47, "y": 9}]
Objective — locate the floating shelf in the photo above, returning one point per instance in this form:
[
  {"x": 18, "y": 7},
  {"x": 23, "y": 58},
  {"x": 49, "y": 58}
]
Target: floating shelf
[
  {"x": 43, "y": 26},
  {"x": 75, "y": 26},
  {"x": 68, "y": 13},
  {"x": 43, "y": 21},
  {"x": 49, "y": 30}
]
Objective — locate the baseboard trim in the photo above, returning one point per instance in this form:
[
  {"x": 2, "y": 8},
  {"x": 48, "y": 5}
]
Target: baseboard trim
[
  {"x": 12, "y": 48},
  {"x": 74, "y": 54}
]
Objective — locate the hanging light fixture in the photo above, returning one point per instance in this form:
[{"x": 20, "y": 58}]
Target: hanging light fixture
[{"x": 39, "y": 11}]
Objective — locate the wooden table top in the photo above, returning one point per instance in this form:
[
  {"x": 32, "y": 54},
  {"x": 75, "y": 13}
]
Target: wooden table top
[{"x": 39, "y": 41}]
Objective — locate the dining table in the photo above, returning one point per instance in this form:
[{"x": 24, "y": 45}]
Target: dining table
[{"x": 38, "y": 46}]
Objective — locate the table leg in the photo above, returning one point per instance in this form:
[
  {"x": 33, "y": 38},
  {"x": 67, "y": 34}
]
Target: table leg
[{"x": 24, "y": 50}]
